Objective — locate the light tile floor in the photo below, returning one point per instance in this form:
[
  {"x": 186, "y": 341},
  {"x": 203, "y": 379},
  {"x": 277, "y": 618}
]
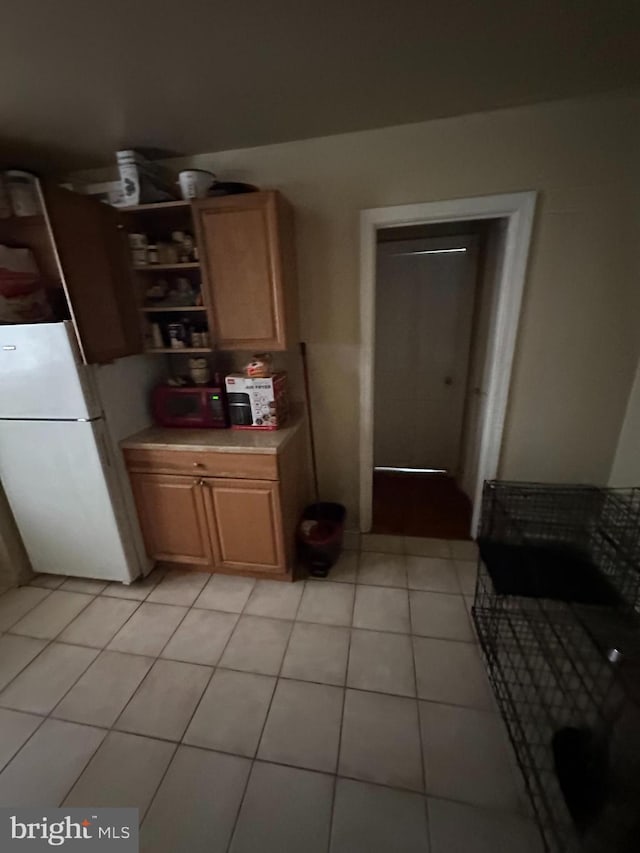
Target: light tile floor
[{"x": 344, "y": 715}]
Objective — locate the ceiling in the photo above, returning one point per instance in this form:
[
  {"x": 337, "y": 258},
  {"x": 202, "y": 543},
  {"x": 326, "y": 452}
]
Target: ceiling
[{"x": 81, "y": 78}]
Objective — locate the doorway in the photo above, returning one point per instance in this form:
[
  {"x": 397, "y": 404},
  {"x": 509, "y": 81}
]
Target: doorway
[
  {"x": 427, "y": 290},
  {"x": 436, "y": 355},
  {"x": 425, "y": 294}
]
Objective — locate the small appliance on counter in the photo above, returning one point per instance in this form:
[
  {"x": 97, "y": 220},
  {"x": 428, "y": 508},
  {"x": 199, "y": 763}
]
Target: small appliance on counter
[
  {"x": 190, "y": 406},
  {"x": 257, "y": 403}
]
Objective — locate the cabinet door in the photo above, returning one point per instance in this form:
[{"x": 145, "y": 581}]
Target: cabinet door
[
  {"x": 246, "y": 254},
  {"x": 246, "y": 524},
  {"x": 93, "y": 255},
  {"x": 172, "y": 517}
]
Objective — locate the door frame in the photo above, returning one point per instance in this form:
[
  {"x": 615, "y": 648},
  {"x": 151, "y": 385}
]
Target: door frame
[{"x": 518, "y": 209}]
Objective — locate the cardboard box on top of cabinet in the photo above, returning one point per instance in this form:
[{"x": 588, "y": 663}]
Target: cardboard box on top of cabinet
[{"x": 267, "y": 397}]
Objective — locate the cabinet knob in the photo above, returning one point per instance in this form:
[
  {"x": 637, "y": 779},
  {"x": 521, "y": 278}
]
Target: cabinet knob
[{"x": 198, "y": 465}]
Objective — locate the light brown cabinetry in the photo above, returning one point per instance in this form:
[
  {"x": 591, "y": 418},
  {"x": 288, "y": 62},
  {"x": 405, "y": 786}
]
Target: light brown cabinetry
[
  {"x": 158, "y": 223},
  {"x": 80, "y": 247},
  {"x": 248, "y": 269},
  {"x": 90, "y": 245},
  {"x": 222, "y": 511},
  {"x": 211, "y": 523},
  {"x": 247, "y": 523},
  {"x": 173, "y": 518}
]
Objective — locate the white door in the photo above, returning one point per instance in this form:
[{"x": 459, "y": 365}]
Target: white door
[
  {"x": 41, "y": 375},
  {"x": 424, "y": 312},
  {"x": 57, "y": 478},
  {"x": 483, "y": 331}
]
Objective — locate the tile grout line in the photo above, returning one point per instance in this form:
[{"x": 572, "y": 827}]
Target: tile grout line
[
  {"x": 100, "y": 728},
  {"x": 344, "y": 701},
  {"x": 178, "y": 744},
  {"x": 420, "y": 742},
  {"x": 91, "y": 595},
  {"x": 438, "y": 702},
  {"x": 49, "y": 714},
  {"x": 156, "y": 658},
  {"x": 22, "y": 746},
  {"x": 294, "y": 621},
  {"x": 47, "y": 643},
  {"x": 279, "y": 677},
  {"x": 489, "y": 808},
  {"x": 276, "y": 618},
  {"x": 50, "y": 642},
  {"x": 56, "y": 638},
  {"x": 214, "y": 669},
  {"x": 112, "y": 728},
  {"x": 26, "y": 613},
  {"x": 254, "y": 758}
]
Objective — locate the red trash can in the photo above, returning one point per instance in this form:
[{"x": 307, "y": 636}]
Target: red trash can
[{"x": 320, "y": 536}]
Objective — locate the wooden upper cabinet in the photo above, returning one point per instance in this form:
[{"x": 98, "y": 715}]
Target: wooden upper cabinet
[
  {"x": 93, "y": 255},
  {"x": 247, "y": 257}
]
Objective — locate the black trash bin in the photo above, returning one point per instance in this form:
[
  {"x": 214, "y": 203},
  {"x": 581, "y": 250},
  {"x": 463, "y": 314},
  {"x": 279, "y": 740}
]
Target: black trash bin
[{"x": 320, "y": 536}]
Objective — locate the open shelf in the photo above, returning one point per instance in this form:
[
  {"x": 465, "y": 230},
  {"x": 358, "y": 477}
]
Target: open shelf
[
  {"x": 177, "y": 350},
  {"x": 152, "y": 267},
  {"x": 158, "y": 206},
  {"x": 158, "y": 221},
  {"x": 147, "y": 309}
]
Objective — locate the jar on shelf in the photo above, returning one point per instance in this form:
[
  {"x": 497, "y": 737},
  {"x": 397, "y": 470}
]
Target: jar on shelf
[
  {"x": 188, "y": 245},
  {"x": 156, "y": 336},
  {"x": 138, "y": 244},
  {"x": 199, "y": 370},
  {"x": 167, "y": 253}
]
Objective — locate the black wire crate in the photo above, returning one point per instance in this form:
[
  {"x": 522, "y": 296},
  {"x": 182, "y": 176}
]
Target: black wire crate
[
  {"x": 557, "y": 613},
  {"x": 553, "y": 545},
  {"x": 574, "y": 727}
]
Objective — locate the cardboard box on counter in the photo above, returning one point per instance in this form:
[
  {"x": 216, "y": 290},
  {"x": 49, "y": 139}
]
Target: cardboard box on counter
[{"x": 257, "y": 403}]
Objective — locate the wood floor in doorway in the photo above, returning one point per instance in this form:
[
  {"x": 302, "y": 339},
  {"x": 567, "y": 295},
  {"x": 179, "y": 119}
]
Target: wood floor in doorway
[{"x": 420, "y": 505}]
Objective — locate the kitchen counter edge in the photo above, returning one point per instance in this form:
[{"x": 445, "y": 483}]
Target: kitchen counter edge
[{"x": 217, "y": 440}]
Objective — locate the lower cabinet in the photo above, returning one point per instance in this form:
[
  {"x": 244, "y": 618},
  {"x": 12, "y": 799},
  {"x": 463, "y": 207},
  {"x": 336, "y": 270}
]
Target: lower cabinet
[
  {"x": 245, "y": 523},
  {"x": 214, "y": 523},
  {"x": 233, "y": 512},
  {"x": 173, "y": 518}
]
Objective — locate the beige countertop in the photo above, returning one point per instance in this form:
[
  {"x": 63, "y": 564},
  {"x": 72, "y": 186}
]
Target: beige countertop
[{"x": 220, "y": 440}]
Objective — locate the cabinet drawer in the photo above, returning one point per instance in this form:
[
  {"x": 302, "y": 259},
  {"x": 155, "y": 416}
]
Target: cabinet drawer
[{"x": 250, "y": 466}]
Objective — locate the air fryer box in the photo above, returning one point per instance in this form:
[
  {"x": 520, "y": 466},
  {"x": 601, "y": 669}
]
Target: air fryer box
[{"x": 269, "y": 399}]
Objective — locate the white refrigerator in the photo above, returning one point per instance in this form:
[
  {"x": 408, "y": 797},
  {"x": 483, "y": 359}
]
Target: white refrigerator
[{"x": 60, "y": 464}]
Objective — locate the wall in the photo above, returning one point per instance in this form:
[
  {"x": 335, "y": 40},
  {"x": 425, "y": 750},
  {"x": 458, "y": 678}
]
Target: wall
[
  {"x": 625, "y": 470},
  {"x": 578, "y": 343}
]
